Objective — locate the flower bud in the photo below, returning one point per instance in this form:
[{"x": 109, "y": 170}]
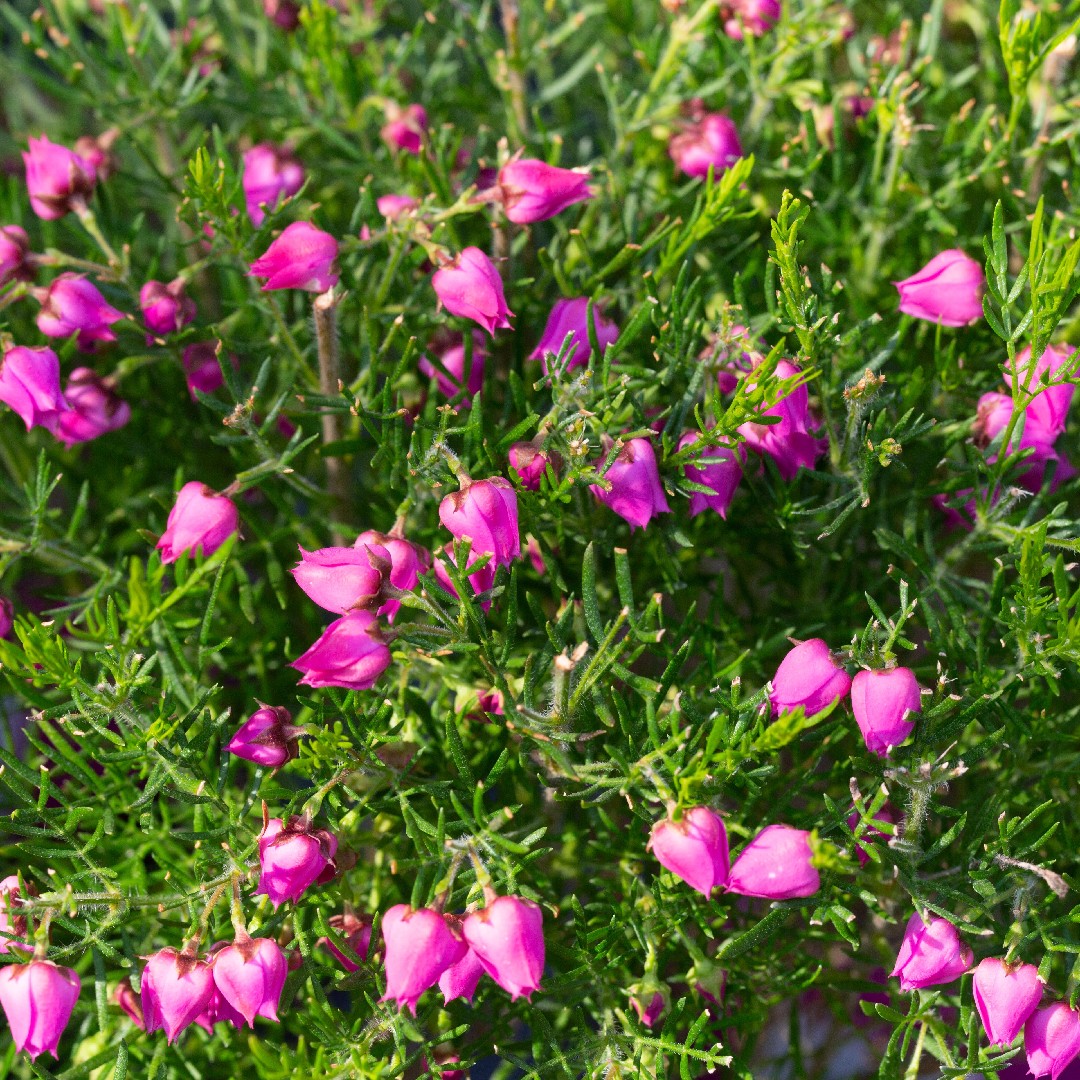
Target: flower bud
[
  {"x": 407, "y": 562},
  {"x": 129, "y": 1001},
  {"x": 200, "y": 521},
  {"x": 1052, "y": 1040},
  {"x": 176, "y": 988},
  {"x": 530, "y": 463},
  {"x": 341, "y": 578},
  {"x": 461, "y": 979},
  {"x": 166, "y": 308},
  {"x": 285, "y": 14},
  {"x": 405, "y": 128},
  {"x": 268, "y": 737},
  {"x": 508, "y": 940},
  {"x": 1005, "y": 995},
  {"x": 38, "y": 999},
  {"x": 12, "y": 924},
  {"x": 713, "y": 141},
  {"x": 531, "y": 190},
  {"x": 250, "y": 975},
  {"x": 754, "y": 17},
  {"x": 884, "y": 814},
  {"x": 56, "y": 178},
  {"x": 94, "y": 409},
  {"x": 776, "y": 865},
  {"x": 718, "y": 468},
  {"x": 570, "y": 318},
  {"x": 947, "y": 290},
  {"x": 302, "y": 257},
  {"x": 485, "y": 512},
  {"x": 419, "y": 947},
  {"x": 30, "y": 386},
  {"x": 271, "y": 175},
  {"x": 452, "y": 381},
  {"x": 469, "y": 286},
  {"x": 73, "y": 305},
  {"x": 349, "y": 653},
  {"x": 649, "y": 1007},
  {"x": 356, "y": 930},
  {"x": 394, "y": 206},
  {"x": 14, "y": 249},
  {"x": 931, "y": 954},
  {"x": 810, "y": 677},
  {"x": 636, "y": 493},
  {"x": 789, "y": 442},
  {"x": 292, "y": 857},
  {"x": 882, "y": 702},
  {"x": 96, "y": 151},
  {"x": 694, "y": 848}
]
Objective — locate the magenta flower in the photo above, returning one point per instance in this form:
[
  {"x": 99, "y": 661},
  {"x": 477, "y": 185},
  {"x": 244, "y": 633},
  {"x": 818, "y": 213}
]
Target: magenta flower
[
  {"x": 530, "y": 463},
  {"x": 947, "y": 290},
  {"x": 1052, "y": 1040},
  {"x": 485, "y": 512},
  {"x": 718, "y": 468},
  {"x": 461, "y": 979},
  {"x": 1005, "y": 997},
  {"x": 407, "y": 562},
  {"x": 268, "y": 737},
  {"x": 302, "y": 257},
  {"x": 882, "y": 702},
  {"x": 250, "y": 974},
  {"x": 776, "y": 865},
  {"x": 694, "y": 848},
  {"x": 12, "y": 924},
  {"x": 789, "y": 442},
  {"x": 200, "y": 521},
  {"x": 130, "y": 1002},
  {"x": 754, "y": 17},
  {"x": 394, "y": 206},
  {"x": 931, "y": 954},
  {"x": 73, "y": 305},
  {"x": 570, "y": 318},
  {"x": 405, "y": 128},
  {"x": 469, "y": 286},
  {"x": 453, "y": 381},
  {"x": 7, "y": 621},
  {"x": 166, "y": 308},
  {"x": 349, "y": 653},
  {"x": 635, "y": 493},
  {"x": 1048, "y": 413},
  {"x": 481, "y": 580},
  {"x": 810, "y": 677},
  {"x": 201, "y": 368},
  {"x": 356, "y": 930},
  {"x": 38, "y": 999},
  {"x": 648, "y": 1012},
  {"x": 271, "y": 175},
  {"x": 419, "y": 947},
  {"x": 341, "y": 578},
  {"x": 14, "y": 252},
  {"x": 508, "y": 939},
  {"x": 176, "y": 988},
  {"x": 56, "y": 178},
  {"x": 531, "y": 190},
  {"x": 713, "y": 141},
  {"x": 94, "y": 409},
  {"x": 292, "y": 857},
  {"x": 285, "y": 14},
  {"x": 30, "y": 387}
]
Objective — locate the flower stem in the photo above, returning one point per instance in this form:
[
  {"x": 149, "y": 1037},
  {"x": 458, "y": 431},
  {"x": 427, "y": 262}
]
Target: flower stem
[{"x": 325, "y": 309}]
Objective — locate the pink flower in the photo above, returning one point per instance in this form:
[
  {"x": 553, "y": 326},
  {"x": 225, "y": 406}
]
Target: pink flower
[
  {"x": 405, "y": 128},
  {"x": 129, "y": 1001},
  {"x": 993, "y": 413},
  {"x": 38, "y": 999},
  {"x": 947, "y": 290},
  {"x": 635, "y": 493},
  {"x": 283, "y": 13},
  {"x": 882, "y": 702},
  {"x": 30, "y": 386},
  {"x": 789, "y": 442},
  {"x": 94, "y": 409},
  {"x": 1005, "y": 997},
  {"x": 356, "y": 930},
  {"x": 201, "y": 367},
  {"x": 508, "y": 939},
  {"x": 7, "y": 621},
  {"x": 1052, "y": 1039},
  {"x": 166, "y": 308},
  {"x": 419, "y": 947},
  {"x": 341, "y": 578},
  {"x": 292, "y": 857},
  {"x": 469, "y": 286},
  {"x": 648, "y": 1012},
  {"x": 461, "y": 979},
  {"x": 394, "y": 206},
  {"x": 12, "y": 924},
  {"x": 713, "y": 141},
  {"x": 530, "y": 463},
  {"x": 531, "y": 190},
  {"x": 73, "y": 305},
  {"x": 570, "y": 318},
  {"x": 453, "y": 381},
  {"x": 694, "y": 848},
  {"x": 485, "y": 512},
  {"x": 268, "y": 737},
  {"x": 176, "y": 988},
  {"x": 56, "y": 178},
  {"x": 200, "y": 521},
  {"x": 776, "y": 865},
  {"x": 886, "y": 815},
  {"x": 481, "y": 580},
  {"x": 755, "y": 17},
  {"x": 407, "y": 562},
  {"x": 271, "y": 175},
  {"x": 718, "y": 468},
  {"x": 250, "y": 975},
  {"x": 810, "y": 677},
  {"x": 349, "y": 653},
  {"x": 931, "y": 954},
  {"x": 1048, "y": 413},
  {"x": 14, "y": 249},
  {"x": 302, "y": 257}
]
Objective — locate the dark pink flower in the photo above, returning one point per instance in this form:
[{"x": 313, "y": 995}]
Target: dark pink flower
[
  {"x": 292, "y": 857},
  {"x": 711, "y": 142},
  {"x": 1048, "y": 412},
  {"x": 176, "y": 988},
  {"x": 775, "y": 865},
  {"x": 38, "y": 999},
  {"x": 14, "y": 250},
  {"x": 94, "y": 408},
  {"x": 469, "y": 286},
  {"x": 56, "y": 178},
  {"x": 7, "y": 621},
  {"x": 356, "y": 930},
  {"x": 485, "y": 512},
  {"x": 947, "y": 290},
  {"x": 1052, "y": 1040},
  {"x": 810, "y": 677},
  {"x": 12, "y": 924},
  {"x": 341, "y": 578},
  {"x": 931, "y": 954},
  {"x": 481, "y": 580},
  {"x": 530, "y": 462},
  {"x": 882, "y": 702},
  {"x": 452, "y": 381},
  {"x": 1005, "y": 995},
  {"x": 531, "y": 190},
  {"x": 201, "y": 368},
  {"x": 166, "y": 308},
  {"x": 405, "y": 128},
  {"x": 508, "y": 939},
  {"x": 30, "y": 387},
  {"x": 302, "y": 257},
  {"x": 283, "y": 13},
  {"x": 694, "y": 848},
  {"x": 755, "y": 17},
  {"x": 419, "y": 947},
  {"x": 129, "y": 1001},
  {"x": 349, "y": 654},
  {"x": 73, "y": 305},
  {"x": 718, "y": 468},
  {"x": 250, "y": 975},
  {"x": 268, "y": 737},
  {"x": 271, "y": 175},
  {"x": 461, "y": 979},
  {"x": 635, "y": 491},
  {"x": 570, "y": 318},
  {"x": 200, "y": 521},
  {"x": 789, "y": 442}
]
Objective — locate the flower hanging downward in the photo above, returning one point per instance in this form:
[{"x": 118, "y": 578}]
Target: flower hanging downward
[
  {"x": 176, "y": 988},
  {"x": 293, "y": 856},
  {"x": 38, "y": 999},
  {"x": 947, "y": 290},
  {"x": 776, "y": 865},
  {"x": 56, "y": 178},
  {"x": 1052, "y": 1040},
  {"x": 931, "y": 954},
  {"x": 635, "y": 493},
  {"x": 30, "y": 387},
  {"x": 694, "y": 848},
  {"x": 470, "y": 286},
  {"x": 302, "y": 257},
  {"x": 1005, "y": 995},
  {"x": 350, "y": 654},
  {"x": 201, "y": 521},
  {"x": 74, "y": 305},
  {"x": 250, "y": 974},
  {"x": 419, "y": 947},
  {"x": 508, "y": 939}
]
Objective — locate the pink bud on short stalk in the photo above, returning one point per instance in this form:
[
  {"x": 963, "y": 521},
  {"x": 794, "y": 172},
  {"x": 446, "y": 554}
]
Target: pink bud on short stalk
[
  {"x": 166, "y": 308},
  {"x": 718, "y": 468},
  {"x": 7, "y": 621},
  {"x": 776, "y": 865},
  {"x": 694, "y": 848},
  {"x": 302, "y": 257},
  {"x": 419, "y": 947},
  {"x": 635, "y": 493},
  {"x": 469, "y": 286},
  {"x": 530, "y": 463},
  {"x": 649, "y": 1008},
  {"x": 882, "y": 702},
  {"x": 931, "y": 954},
  {"x": 789, "y": 443},
  {"x": 12, "y": 924},
  {"x": 250, "y": 975},
  {"x": 531, "y": 190},
  {"x": 271, "y": 175},
  {"x": 571, "y": 317},
  {"x": 1005, "y": 995},
  {"x": 810, "y": 677},
  {"x": 405, "y": 128},
  {"x": 292, "y": 857},
  {"x": 947, "y": 290},
  {"x": 14, "y": 250},
  {"x": 394, "y": 206},
  {"x": 349, "y": 653},
  {"x": 30, "y": 387},
  {"x": 885, "y": 814},
  {"x": 461, "y": 979},
  {"x": 356, "y": 930},
  {"x": 508, "y": 939},
  {"x": 754, "y": 17},
  {"x": 56, "y": 178},
  {"x": 268, "y": 737},
  {"x": 94, "y": 409},
  {"x": 176, "y": 988},
  {"x": 712, "y": 141},
  {"x": 452, "y": 381},
  {"x": 38, "y": 999},
  {"x": 200, "y": 521},
  {"x": 485, "y": 512},
  {"x": 1052, "y": 1040},
  {"x": 341, "y": 578},
  {"x": 130, "y": 1002},
  {"x": 73, "y": 305}
]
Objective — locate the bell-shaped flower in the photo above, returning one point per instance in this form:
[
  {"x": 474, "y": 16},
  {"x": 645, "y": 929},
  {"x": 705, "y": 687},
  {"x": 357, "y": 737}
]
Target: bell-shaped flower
[
  {"x": 74, "y": 305},
  {"x": 810, "y": 677},
  {"x": 419, "y": 946},
  {"x": 931, "y": 954},
  {"x": 530, "y": 462},
  {"x": 394, "y": 206},
  {"x": 176, "y": 988},
  {"x": 250, "y": 974},
  {"x": 1050, "y": 409},
  {"x": 461, "y": 979},
  {"x": 694, "y": 848},
  {"x": 788, "y": 442},
  {"x": 30, "y": 387},
  {"x": 1005, "y": 995},
  {"x": 776, "y": 865},
  {"x": 166, "y": 308},
  {"x": 753, "y": 17},
  {"x": 712, "y": 141},
  {"x": 268, "y": 737},
  {"x": 947, "y": 290},
  {"x": 405, "y": 127},
  {"x": 302, "y": 257},
  {"x": 469, "y": 286},
  {"x": 718, "y": 468},
  {"x": 356, "y": 930},
  {"x": 350, "y": 653},
  {"x": 292, "y": 857},
  {"x": 570, "y": 318},
  {"x": 508, "y": 939},
  {"x": 271, "y": 175},
  {"x": 12, "y": 924},
  {"x": 56, "y": 178},
  {"x": 450, "y": 377},
  {"x": 14, "y": 254},
  {"x": 485, "y": 512},
  {"x": 635, "y": 493},
  {"x": 200, "y": 521},
  {"x": 531, "y": 190},
  {"x": 882, "y": 702},
  {"x": 1052, "y": 1040},
  {"x": 94, "y": 408},
  {"x": 38, "y": 999}
]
